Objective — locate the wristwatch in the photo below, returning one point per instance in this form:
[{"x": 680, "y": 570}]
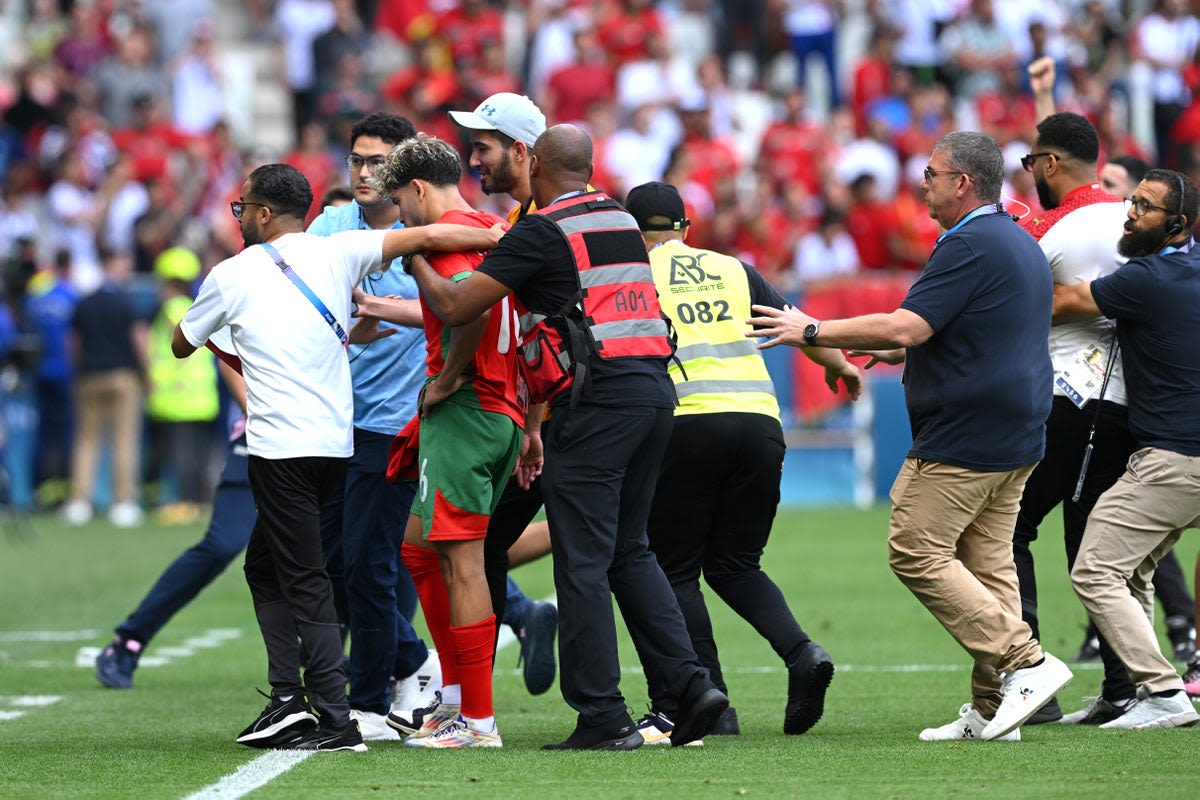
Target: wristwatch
[{"x": 810, "y": 333}]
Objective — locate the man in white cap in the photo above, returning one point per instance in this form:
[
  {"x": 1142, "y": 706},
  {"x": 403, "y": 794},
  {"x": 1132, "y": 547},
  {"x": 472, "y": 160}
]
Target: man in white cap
[{"x": 503, "y": 129}]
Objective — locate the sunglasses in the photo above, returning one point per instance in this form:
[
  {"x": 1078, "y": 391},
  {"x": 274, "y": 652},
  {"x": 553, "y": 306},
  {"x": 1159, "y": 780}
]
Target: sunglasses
[
  {"x": 1029, "y": 159},
  {"x": 238, "y": 207}
]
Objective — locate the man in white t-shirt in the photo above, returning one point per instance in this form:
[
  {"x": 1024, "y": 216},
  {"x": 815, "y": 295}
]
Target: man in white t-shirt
[{"x": 290, "y": 340}]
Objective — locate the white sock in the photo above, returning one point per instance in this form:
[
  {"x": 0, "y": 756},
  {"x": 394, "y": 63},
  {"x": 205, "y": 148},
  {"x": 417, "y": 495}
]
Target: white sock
[
  {"x": 452, "y": 694},
  {"x": 482, "y": 724}
]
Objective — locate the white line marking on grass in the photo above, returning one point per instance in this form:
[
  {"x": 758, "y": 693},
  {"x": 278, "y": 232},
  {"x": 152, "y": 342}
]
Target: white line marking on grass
[
  {"x": 252, "y": 775},
  {"x": 24, "y": 701},
  {"x": 5, "y": 716},
  {"x": 47, "y": 636},
  {"x": 85, "y": 657}
]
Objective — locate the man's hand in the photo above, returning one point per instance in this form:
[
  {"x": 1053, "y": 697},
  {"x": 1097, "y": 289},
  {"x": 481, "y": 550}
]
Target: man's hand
[
  {"x": 366, "y": 330},
  {"x": 779, "y": 327},
  {"x": 850, "y": 377},
  {"x": 438, "y": 390},
  {"x": 530, "y": 461},
  {"x": 1042, "y": 75},
  {"x": 880, "y": 356}
]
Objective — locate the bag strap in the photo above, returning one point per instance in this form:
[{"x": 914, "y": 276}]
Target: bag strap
[{"x": 299, "y": 283}]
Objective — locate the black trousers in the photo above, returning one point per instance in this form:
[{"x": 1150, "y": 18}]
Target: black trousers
[
  {"x": 713, "y": 509},
  {"x": 1053, "y": 482},
  {"x": 516, "y": 510},
  {"x": 601, "y": 467},
  {"x": 285, "y": 569}
]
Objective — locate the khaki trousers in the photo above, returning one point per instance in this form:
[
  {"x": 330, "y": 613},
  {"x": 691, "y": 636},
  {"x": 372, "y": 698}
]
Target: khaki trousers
[
  {"x": 1134, "y": 524},
  {"x": 950, "y": 543},
  {"x": 107, "y": 404}
]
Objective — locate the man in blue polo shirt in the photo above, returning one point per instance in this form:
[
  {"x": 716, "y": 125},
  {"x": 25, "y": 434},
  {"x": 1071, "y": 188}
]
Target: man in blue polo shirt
[
  {"x": 363, "y": 528},
  {"x": 972, "y": 334},
  {"x": 1155, "y": 299}
]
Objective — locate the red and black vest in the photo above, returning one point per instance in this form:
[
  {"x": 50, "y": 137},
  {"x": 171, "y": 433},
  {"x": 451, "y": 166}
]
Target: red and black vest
[{"x": 615, "y": 312}]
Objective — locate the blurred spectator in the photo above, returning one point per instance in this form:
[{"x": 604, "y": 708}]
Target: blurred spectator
[
  {"x": 811, "y": 27},
  {"x": 76, "y": 212},
  {"x": 159, "y": 226},
  {"x": 793, "y": 146},
  {"x": 35, "y": 108},
  {"x": 130, "y": 72},
  {"x": 43, "y": 30},
  {"x": 85, "y": 43},
  {"x": 742, "y": 26},
  {"x": 317, "y": 161},
  {"x": 181, "y": 398},
  {"x": 1121, "y": 175},
  {"x": 49, "y": 306},
  {"x": 574, "y": 87},
  {"x": 488, "y": 75},
  {"x": 20, "y": 215},
  {"x": 347, "y": 96},
  {"x": 465, "y": 27},
  {"x": 109, "y": 346},
  {"x": 977, "y": 51},
  {"x": 872, "y": 80},
  {"x": 198, "y": 85},
  {"x": 297, "y": 25},
  {"x": 625, "y": 30},
  {"x": 428, "y": 84},
  {"x": 157, "y": 148},
  {"x": 873, "y": 223},
  {"x": 826, "y": 254},
  {"x": 636, "y": 153},
  {"x": 347, "y": 35},
  {"x": 715, "y": 162},
  {"x": 337, "y": 196},
  {"x": 918, "y": 22},
  {"x": 918, "y": 230},
  {"x": 176, "y": 23},
  {"x": 1166, "y": 40},
  {"x": 129, "y": 201}
]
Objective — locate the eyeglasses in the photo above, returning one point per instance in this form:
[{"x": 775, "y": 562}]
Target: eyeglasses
[
  {"x": 238, "y": 207},
  {"x": 1142, "y": 207},
  {"x": 355, "y": 162},
  {"x": 931, "y": 173},
  {"x": 1029, "y": 159}
]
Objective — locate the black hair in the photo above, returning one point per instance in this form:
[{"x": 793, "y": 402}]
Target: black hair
[
  {"x": 283, "y": 188},
  {"x": 424, "y": 158},
  {"x": 1181, "y": 205},
  {"x": 1071, "y": 134},
  {"x": 389, "y": 128},
  {"x": 1135, "y": 167}
]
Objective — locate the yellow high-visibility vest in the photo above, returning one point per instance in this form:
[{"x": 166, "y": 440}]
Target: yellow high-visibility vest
[
  {"x": 181, "y": 390},
  {"x": 707, "y": 297}
]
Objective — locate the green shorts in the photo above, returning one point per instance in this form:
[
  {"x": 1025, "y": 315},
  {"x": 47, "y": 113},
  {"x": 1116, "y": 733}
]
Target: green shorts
[{"x": 466, "y": 458}]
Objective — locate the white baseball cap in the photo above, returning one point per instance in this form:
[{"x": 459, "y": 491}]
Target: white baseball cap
[{"x": 514, "y": 115}]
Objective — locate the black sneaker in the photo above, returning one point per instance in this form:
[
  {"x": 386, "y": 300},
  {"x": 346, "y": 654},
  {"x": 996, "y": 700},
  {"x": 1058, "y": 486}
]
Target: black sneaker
[
  {"x": 1183, "y": 638},
  {"x": 808, "y": 680},
  {"x": 623, "y": 735},
  {"x": 727, "y": 725},
  {"x": 281, "y": 723},
  {"x": 539, "y": 624},
  {"x": 329, "y": 739},
  {"x": 699, "y": 710},
  {"x": 1089, "y": 650},
  {"x": 1051, "y": 712},
  {"x": 116, "y": 663}
]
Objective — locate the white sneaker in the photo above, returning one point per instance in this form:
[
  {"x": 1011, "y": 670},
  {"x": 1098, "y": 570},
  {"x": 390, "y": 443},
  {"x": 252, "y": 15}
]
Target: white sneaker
[
  {"x": 77, "y": 512},
  {"x": 1147, "y": 711},
  {"x": 374, "y": 726},
  {"x": 417, "y": 696},
  {"x": 125, "y": 515},
  {"x": 442, "y": 716},
  {"x": 1025, "y": 691},
  {"x": 969, "y": 725}
]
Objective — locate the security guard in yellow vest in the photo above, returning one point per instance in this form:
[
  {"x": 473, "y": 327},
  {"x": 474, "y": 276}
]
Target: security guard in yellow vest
[
  {"x": 719, "y": 486},
  {"x": 182, "y": 399}
]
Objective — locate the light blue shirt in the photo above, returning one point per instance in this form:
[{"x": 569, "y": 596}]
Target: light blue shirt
[{"x": 386, "y": 374}]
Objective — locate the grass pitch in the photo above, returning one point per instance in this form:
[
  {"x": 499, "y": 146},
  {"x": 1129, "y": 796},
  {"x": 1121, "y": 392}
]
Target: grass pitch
[{"x": 62, "y": 735}]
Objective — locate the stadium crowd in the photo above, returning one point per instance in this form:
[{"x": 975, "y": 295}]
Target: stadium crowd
[{"x": 796, "y": 131}]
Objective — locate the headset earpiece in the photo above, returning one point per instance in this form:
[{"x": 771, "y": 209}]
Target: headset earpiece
[{"x": 1175, "y": 226}]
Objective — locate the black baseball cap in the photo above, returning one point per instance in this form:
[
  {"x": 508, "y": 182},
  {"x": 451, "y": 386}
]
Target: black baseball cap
[{"x": 657, "y": 206}]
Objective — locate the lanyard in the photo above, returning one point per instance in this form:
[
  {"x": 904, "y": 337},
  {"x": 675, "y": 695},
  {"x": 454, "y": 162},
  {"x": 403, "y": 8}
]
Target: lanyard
[
  {"x": 990, "y": 208},
  {"x": 286, "y": 269}
]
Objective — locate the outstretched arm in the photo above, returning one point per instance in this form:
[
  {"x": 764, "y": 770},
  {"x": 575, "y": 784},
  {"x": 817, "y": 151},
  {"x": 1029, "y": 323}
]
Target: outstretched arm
[
  {"x": 1074, "y": 302},
  {"x": 901, "y": 328},
  {"x": 439, "y": 236}
]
